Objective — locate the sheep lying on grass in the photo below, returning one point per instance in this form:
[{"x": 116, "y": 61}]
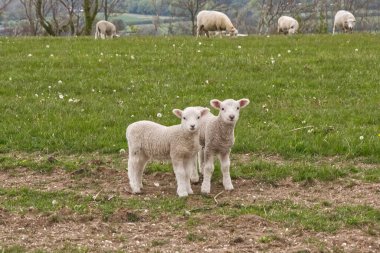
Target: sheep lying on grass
[
  {"x": 180, "y": 143},
  {"x": 344, "y": 20},
  {"x": 214, "y": 21},
  {"x": 104, "y": 29},
  {"x": 217, "y": 138},
  {"x": 287, "y": 25}
]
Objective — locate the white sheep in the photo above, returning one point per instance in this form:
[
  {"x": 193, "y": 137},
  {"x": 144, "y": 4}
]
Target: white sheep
[
  {"x": 217, "y": 138},
  {"x": 344, "y": 20},
  {"x": 287, "y": 25},
  {"x": 180, "y": 143},
  {"x": 104, "y": 29},
  {"x": 214, "y": 21}
]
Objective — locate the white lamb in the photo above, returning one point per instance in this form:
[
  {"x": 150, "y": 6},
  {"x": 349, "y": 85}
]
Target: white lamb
[
  {"x": 344, "y": 20},
  {"x": 287, "y": 25},
  {"x": 217, "y": 138},
  {"x": 104, "y": 29},
  {"x": 214, "y": 21},
  {"x": 180, "y": 143}
]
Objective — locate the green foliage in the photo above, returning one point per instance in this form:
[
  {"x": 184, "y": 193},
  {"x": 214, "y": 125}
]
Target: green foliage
[{"x": 310, "y": 95}]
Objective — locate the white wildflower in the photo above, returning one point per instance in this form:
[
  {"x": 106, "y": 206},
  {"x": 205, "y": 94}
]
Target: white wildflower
[
  {"x": 361, "y": 137},
  {"x": 60, "y": 96},
  {"x": 289, "y": 51},
  {"x": 132, "y": 116},
  {"x": 101, "y": 54},
  {"x": 304, "y": 122},
  {"x": 239, "y": 47},
  {"x": 199, "y": 43},
  {"x": 36, "y": 95},
  {"x": 59, "y": 82},
  {"x": 29, "y": 55},
  {"x": 159, "y": 115},
  {"x": 198, "y": 51},
  {"x": 114, "y": 91},
  {"x": 356, "y": 49},
  {"x": 132, "y": 57},
  {"x": 156, "y": 184},
  {"x": 279, "y": 55},
  {"x": 206, "y": 81},
  {"x": 173, "y": 45},
  {"x": 54, "y": 202},
  {"x": 47, "y": 46},
  {"x": 51, "y": 55},
  {"x": 10, "y": 78}
]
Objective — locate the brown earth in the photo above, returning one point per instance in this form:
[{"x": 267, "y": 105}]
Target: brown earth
[{"x": 136, "y": 231}]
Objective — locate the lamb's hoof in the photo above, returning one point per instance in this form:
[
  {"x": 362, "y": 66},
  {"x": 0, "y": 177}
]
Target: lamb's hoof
[
  {"x": 190, "y": 191},
  {"x": 194, "y": 180},
  {"x": 228, "y": 188},
  {"x": 182, "y": 194}
]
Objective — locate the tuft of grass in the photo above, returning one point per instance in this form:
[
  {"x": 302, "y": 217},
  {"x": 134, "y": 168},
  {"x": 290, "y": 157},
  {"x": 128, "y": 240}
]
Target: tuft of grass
[
  {"x": 315, "y": 218},
  {"x": 195, "y": 237}
]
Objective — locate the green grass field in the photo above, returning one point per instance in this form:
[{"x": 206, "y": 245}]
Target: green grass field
[
  {"x": 310, "y": 95},
  {"x": 314, "y": 117}
]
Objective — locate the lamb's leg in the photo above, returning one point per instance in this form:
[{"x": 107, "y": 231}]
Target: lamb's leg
[
  {"x": 189, "y": 169},
  {"x": 207, "y": 172},
  {"x": 225, "y": 166},
  {"x": 194, "y": 176},
  {"x": 134, "y": 172},
  {"x": 180, "y": 175}
]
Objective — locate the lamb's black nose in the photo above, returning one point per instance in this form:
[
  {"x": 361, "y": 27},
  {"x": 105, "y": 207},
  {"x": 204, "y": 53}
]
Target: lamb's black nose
[
  {"x": 232, "y": 117},
  {"x": 192, "y": 126}
]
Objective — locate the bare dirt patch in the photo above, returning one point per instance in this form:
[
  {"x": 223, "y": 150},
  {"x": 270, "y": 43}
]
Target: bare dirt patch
[{"x": 135, "y": 230}]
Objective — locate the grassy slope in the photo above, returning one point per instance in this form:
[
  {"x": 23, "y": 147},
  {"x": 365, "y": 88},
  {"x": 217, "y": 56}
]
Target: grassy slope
[{"x": 328, "y": 84}]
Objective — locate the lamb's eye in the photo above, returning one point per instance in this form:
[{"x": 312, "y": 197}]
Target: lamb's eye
[
  {"x": 184, "y": 118},
  {"x": 237, "y": 108},
  {"x": 199, "y": 117},
  {"x": 222, "y": 109}
]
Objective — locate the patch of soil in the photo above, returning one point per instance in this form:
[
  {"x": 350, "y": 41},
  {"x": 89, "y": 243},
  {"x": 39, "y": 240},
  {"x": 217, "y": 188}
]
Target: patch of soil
[{"x": 134, "y": 231}]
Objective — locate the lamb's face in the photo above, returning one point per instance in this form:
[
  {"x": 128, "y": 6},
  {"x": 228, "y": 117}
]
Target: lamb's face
[
  {"x": 293, "y": 28},
  {"x": 190, "y": 117},
  {"x": 229, "y": 110},
  {"x": 233, "y": 31},
  {"x": 349, "y": 24}
]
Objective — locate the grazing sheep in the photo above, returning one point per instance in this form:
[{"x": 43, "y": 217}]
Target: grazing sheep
[
  {"x": 180, "y": 143},
  {"x": 104, "y": 29},
  {"x": 344, "y": 20},
  {"x": 287, "y": 25},
  {"x": 214, "y": 21},
  {"x": 217, "y": 138}
]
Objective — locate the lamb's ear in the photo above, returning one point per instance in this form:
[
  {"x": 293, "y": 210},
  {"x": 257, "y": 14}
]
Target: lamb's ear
[
  {"x": 204, "y": 111},
  {"x": 243, "y": 102},
  {"x": 215, "y": 103},
  {"x": 178, "y": 113}
]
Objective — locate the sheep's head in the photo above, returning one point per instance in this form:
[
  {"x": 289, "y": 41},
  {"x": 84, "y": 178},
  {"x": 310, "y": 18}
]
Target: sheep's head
[
  {"x": 190, "y": 117},
  {"x": 229, "y": 109}
]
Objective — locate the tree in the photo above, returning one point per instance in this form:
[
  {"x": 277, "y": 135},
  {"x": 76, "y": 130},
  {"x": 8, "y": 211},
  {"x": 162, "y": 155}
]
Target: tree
[
  {"x": 30, "y": 15},
  {"x": 109, "y": 6},
  {"x": 90, "y": 9},
  {"x": 4, "y": 4},
  {"x": 191, "y": 8}
]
